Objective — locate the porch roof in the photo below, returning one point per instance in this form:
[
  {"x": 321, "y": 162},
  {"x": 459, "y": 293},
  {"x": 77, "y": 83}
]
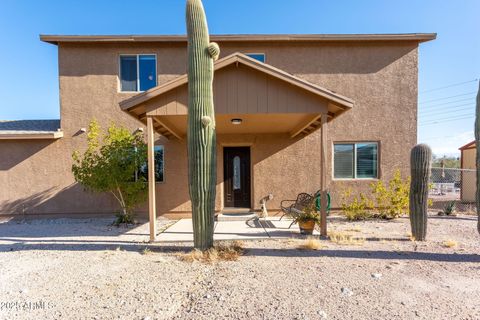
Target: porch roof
[{"x": 243, "y": 88}]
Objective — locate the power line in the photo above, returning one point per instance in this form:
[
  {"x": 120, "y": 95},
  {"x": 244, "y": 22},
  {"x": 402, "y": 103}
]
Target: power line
[
  {"x": 449, "y": 102},
  {"x": 450, "y": 86},
  {"x": 421, "y": 110},
  {"x": 438, "y": 121},
  {"x": 445, "y": 112},
  {"x": 459, "y": 115},
  {"x": 455, "y": 96},
  {"x": 445, "y": 108}
]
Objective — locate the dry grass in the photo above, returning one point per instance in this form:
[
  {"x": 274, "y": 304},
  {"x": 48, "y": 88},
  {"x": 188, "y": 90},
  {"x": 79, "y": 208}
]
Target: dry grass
[
  {"x": 449, "y": 243},
  {"x": 222, "y": 251},
  {"x": 343, "y": 238},
  {"x": 310, "y": 243},
  {"x": 146, "y": 251},
  {"x": 354, "y": 229}
]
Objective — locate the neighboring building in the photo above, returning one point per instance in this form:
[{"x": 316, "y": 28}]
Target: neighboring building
[
  {"x": 270, "y": 94},
  {"x": 469, "y": 177}
]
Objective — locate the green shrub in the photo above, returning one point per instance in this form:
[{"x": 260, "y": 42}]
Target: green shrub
[
  {"x": 110, "y": 165},
  {"x": 356, "y": 207},
  {"x": 392, "y": 199}
]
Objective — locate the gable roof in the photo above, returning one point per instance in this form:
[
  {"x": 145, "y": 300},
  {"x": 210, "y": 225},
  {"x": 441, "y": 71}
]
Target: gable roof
[
  {"x": 470, "y": 145},
  {"x": 30, "y": 129},
  {"x": 341, "y": 101},
  {"x": 416, "y": 37}
]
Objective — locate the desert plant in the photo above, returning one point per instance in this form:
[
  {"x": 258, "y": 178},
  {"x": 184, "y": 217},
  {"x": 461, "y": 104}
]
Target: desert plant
[
  {"x": 420, "y": 167},
  {"x": 449, "y": 208},
  {"x": 222, "y": 251},
  {"x": 112, "y": 166},
  {"x": 202, "y": 162},
  {"x": 356, "y": 207},
  {"x": 477, "y": 145},
  {"x": 309, "y": 213},
  {"x": 310, "y": 243},
  {"x": 392, "y": 198}
]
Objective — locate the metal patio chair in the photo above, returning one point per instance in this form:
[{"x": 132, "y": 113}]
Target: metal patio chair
[{"x": 294, "y": 208}]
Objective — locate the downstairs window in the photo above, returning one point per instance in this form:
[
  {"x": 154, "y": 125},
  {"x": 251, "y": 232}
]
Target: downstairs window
[{"x": 355, "y": 160}]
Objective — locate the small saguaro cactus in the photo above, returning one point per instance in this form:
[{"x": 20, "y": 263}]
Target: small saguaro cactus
[
  {"x": 477, "y": 144},
  {"x": 420, "y": 168},
  {"x": 201, "y": 136}
]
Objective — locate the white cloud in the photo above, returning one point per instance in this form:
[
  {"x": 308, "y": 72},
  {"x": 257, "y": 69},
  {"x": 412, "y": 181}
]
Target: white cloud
[{"x": 448, "y": 145}]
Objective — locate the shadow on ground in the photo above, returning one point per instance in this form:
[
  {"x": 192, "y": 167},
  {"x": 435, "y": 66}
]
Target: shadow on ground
[{"x": 73, "y": 245}]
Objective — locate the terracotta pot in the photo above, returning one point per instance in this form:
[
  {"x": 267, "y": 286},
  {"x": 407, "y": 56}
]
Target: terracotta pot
[{"x": 307, "y": 227}]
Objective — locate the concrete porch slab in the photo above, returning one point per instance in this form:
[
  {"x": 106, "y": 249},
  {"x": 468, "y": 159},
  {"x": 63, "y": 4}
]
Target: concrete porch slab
[{"x": 267, "y": 228}]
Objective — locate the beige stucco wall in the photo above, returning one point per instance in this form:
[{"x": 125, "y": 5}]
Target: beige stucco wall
[
  {"x": 469, "y": 178},
  {"x": 380, "y": 77}
]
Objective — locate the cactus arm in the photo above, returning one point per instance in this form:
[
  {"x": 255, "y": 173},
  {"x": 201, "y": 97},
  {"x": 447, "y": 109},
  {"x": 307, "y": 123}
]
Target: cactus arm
[
  {"x": 477, "y": 145},
  {"x": 201, "y": 136},
  {"x": 420, "y": 167}
]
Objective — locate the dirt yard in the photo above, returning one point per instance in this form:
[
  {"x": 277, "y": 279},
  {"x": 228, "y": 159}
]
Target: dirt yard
[{"x": 86, "y": 269}]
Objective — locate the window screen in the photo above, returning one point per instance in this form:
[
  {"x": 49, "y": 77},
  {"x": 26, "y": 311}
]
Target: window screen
[
  {"x": 343, "y": 161},
  {"x": 138, "y": 72},
  {"x": 355, "y": 160},
  {"x": 128, "y": 73}
]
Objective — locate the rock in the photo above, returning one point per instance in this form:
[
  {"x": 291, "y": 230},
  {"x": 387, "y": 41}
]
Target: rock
[
  {"x": 146, "y": 318},
  {"x": 24, "y": 290},
  {"x": 207, "y": 296},
  {"x": 376, "y": 276},
  {"x": 347, "y": 292},
  {"x": 322, "y": 314}
]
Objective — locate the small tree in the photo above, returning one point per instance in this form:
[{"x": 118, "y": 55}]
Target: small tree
[{"x": 114, "y": 167}]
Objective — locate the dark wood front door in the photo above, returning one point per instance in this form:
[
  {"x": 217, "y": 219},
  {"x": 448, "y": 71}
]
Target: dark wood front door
[{"x": 236, "y": 173}]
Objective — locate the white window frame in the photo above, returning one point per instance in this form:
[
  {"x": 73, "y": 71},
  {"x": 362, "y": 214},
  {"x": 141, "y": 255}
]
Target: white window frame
[
  {"x": 355, "y": 160},
  {"x": 257, "y": 53},
  {"x": 137, "y": 55}
]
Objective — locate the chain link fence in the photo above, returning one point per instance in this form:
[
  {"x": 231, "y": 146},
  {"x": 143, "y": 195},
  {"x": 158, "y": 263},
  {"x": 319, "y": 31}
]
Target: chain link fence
[{"x": 454, "y": 188}]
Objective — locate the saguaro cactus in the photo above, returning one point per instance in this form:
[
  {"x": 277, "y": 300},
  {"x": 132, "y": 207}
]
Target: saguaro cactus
[
  {"x": 202, "y": 160},
  {"x": 477, "y": 144},
  {"x": 420, "y": 167}
]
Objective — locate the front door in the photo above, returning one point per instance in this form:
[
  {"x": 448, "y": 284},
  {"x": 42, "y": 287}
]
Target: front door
[{"x": 236, "y": 173}]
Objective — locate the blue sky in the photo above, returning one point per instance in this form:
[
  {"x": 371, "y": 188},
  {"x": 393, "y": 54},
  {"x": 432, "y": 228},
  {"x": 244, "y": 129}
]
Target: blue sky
[{"x": 453, "y": 59}]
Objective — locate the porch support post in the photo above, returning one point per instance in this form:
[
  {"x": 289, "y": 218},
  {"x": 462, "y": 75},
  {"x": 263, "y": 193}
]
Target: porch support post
[
  {"x": 152, "y": 210},
  {"x": 323, "y": 176}
]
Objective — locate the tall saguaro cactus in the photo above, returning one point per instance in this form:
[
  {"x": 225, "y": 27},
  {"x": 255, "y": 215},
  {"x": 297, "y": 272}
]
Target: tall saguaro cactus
[
  {"x": 477, "y": 144},
  {"x": 420, "y": 167},
  {"x": 202, "y": 159}
]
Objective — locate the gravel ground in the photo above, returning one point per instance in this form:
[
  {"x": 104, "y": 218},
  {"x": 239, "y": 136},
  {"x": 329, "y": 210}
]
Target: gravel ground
[{"x": 86, "y": 269}]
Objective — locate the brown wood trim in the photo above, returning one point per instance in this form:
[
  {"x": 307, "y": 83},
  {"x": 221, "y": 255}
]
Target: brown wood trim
[
  {"x": 342, "y": 102},
  {"x": 168, "y": 128},
  {"x": 418, "y": 37}
]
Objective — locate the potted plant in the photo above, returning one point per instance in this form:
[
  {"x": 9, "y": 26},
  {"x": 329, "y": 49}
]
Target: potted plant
[{"x": 307, "y": 219}]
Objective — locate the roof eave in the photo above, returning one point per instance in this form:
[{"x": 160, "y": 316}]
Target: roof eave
[
  {"x": 342, "y": 101},
  {"x": 417, "y": 37},
  {"x": 469, "y": 145},
  {"x": 32, "y": 136}
]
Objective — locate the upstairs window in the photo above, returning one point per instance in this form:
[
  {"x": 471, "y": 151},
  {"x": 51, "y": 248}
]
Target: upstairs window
[
  {"x": 138, "y": 72},
  {"x": 257, "y": 56},
  {"x": 355, "y": 160}
]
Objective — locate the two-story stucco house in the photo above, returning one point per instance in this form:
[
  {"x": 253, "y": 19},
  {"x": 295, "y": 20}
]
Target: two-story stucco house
[{"x": 274, "y": 97}]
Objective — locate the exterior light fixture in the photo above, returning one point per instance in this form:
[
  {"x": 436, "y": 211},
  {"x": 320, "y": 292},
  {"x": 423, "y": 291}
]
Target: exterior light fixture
[{"x": 237, "y": 121}]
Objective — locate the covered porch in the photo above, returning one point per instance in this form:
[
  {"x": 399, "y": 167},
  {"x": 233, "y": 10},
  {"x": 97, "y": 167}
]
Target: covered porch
[{"x": 252, "y": 99}]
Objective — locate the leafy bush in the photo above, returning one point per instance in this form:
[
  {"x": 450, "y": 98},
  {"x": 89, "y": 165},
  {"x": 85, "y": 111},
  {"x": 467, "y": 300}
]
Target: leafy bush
[
  {"x": 356, "y": 207},
  {"x": 392, "y": 199},
  {"x": 308, "y": 214},
  {"x": 112, "y": 167}
]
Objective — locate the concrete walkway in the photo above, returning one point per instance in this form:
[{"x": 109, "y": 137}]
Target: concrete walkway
[{"x": 267, "y": 228}]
